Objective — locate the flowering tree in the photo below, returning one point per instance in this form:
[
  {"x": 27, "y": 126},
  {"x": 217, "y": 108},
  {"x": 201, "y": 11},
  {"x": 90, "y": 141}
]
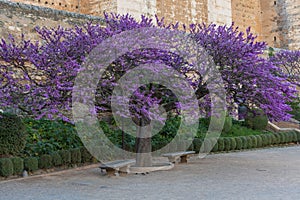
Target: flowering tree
[
  {"x": 38, "y": 77},
  {"x": 289, "y": 62}
]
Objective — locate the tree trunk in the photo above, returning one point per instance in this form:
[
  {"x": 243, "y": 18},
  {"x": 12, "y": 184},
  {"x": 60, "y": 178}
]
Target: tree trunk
[{"x": 143, "y": 147}]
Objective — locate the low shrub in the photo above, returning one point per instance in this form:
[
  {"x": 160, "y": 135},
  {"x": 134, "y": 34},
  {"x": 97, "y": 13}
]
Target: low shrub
[
  {"x": 233, "y": 143},
  {"x": 207, "y": 146},
  {"x": 56, "y": 159},
  {"x": 65, "y": 156},
  {"x": 245, "y": 142},
  {"x": 249, "y": 142},
  {"x": 227, "y": 144},
  {"x": 214, "y": 143},
  {"x": 294, "y": 136},
  {"x": 85, "y": 155},
  {"x": 239, "y": 143},
  {"x": 18, "y": 164},
  {"x": 75, "y": 156},
  {"x": 197, "y": 143},
  {"x": 276, "y": 138},
  {"x": 31, "y": 164},
  {"x": 273, "y": 139},
  {"x": 256, "y": 120},
  {"x": 282, "y": 137},
  {"x": 12, "y": 134},
  {"x": 221, "y": 144},
  {"x": 227, "y": 124},
  {"x": 6, "y": 167},
  {"x": 298, "y": 136},
  {"x": 254, "y": 141},
  {"x": 45, "y": 161},
  {"x": 264, "y": 140},
  {"x": 259, "y": 141}
]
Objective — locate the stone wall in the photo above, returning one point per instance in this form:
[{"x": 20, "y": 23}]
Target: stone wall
[
  {"x": 219, "y": 11},
  {"x": 183, "y": 11},
  {"x": 17, "y": 18},
  {"x": 275, "y": 21},
  {"x": 247, "y": 13}
]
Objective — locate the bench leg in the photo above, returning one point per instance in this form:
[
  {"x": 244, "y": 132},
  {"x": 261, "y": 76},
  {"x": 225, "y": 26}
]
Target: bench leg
[
  {"x": 124, "y": 170},
  {"x": 183, "y": 159},
  {"x": 112, "y": 172}
]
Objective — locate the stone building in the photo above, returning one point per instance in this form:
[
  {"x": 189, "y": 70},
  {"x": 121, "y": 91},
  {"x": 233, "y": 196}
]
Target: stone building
[{"x": 275, "y": 21}]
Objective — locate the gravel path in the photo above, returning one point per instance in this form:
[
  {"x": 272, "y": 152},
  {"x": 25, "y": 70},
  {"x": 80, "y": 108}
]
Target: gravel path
[{"x": 260, "y": 174}]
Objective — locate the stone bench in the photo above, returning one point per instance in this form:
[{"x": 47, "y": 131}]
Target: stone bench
[
  {"x": 117, "y": 167},
  {"x": 183, "y": 156}
]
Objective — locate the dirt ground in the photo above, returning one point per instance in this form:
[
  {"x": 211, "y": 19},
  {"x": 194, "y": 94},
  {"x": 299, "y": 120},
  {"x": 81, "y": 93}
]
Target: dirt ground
[{"x": 260, "y": 174}]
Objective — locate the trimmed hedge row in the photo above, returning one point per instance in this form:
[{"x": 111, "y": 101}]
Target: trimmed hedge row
[
  {"x": 244, "y": 142},
  {"x": 16, "y": 165}
]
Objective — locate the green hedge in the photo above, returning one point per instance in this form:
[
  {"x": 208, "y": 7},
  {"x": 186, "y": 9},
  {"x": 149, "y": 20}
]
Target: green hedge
[
  {"x": 18, "y": 164},
  {"x": 227, "y": 144},
  {"x": 31, "y": 164},
  {"x": 85, "y": 155},
  {"x": 45, "y": 161},
  {"x": 56, "y": 159},
  {"x": 214, "y": 142},
  {"x": 75, "y": 156},
  {"x": 197, "y": 142},
  {"x": 6, "y": 167},
  {"x": 12, "y": 134},
  {"x": 244, "y": 142},
  {"x": 259, "y": 141},
  {"x": 239, "y": 143},
  {"x": 221, "y": 144},
  {"x": 256, "y": 120},
  {"x": 65, "y": 156}
]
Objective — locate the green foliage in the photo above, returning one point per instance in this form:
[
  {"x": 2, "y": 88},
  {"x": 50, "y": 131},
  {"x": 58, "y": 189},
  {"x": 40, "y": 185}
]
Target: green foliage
[
  {"x": 259, "y": 141},
  {"x": 233, "y": 143},
  {"x": 294, "y": 136},
  {"x": 46, "y": 136},
  {"x": 264, "y": 140},
  {"x": 85, "y": 155},
  {"x": 239, "y": 143},
  {"x": 18, "y": 164},
  {"x": 249, "y": 142},
  {"x": 207, "y": 146},
  {"x": 282, "y": 137},
  {"x": 56, "y": 159},
  {"x": 65, "y": 156},
  {"x": 254, "y": 141},
  {"x": 273, "y": 139},
  {"x": 45, "y": 161},
  {"x": 245, "y": 142},
  {"x": 197, "y": 143},
  {"x": 240, "y": 129},
  {"x": 221, "y": 144},
  {"x": 295, "y": 105},
  {"x": 227, "y": 144},
  {"x": 6, "y": 167},
  {"x": 31, "y": 164},
  {"x": 298, "y": 136},
  {"x": 227, "y": 124},
  {"x": 276, "y": 139},
  {"x": 12, "y": 134},
  {"x": 256, "y": 120},
  {"x": 215, "y": 146},
  {"x": 75, "y": 156}
]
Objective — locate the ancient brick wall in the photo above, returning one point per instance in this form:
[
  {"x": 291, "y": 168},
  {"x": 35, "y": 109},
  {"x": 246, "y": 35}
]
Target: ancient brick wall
[
  {"x": 20, "y": 18},
  {"x": 219, "y": 11},
  {"x": 247, "y": 13},
  {"x": 183, "y": 11},
  {"x": 275, "y": 21},
  {"x": 288, "y": 23}
]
